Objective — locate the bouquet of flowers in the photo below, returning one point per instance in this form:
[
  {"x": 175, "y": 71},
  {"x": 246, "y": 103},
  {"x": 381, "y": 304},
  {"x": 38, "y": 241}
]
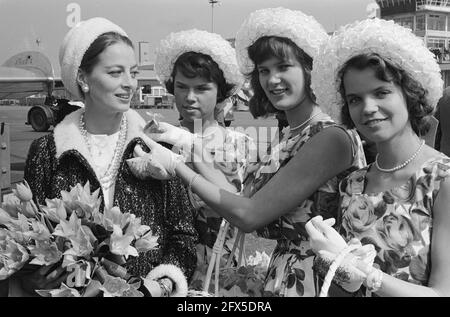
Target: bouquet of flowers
[{"x": 71, "y": 232}]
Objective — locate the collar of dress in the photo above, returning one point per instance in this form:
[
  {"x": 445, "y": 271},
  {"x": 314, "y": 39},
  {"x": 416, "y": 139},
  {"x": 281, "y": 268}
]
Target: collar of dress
[{"x": 67, "y": 134}]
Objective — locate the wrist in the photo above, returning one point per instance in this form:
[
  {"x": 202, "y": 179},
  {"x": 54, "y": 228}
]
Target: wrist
[
  {"x": 192, "y": 180},
  {"x": 374, "y": 280}
]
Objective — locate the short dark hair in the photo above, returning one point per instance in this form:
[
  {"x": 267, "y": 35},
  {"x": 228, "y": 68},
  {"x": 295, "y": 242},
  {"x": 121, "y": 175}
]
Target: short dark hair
[
  {"x": 194, "y": 64},
  {"x": 419, "y": 110},
  {"x": 274, "y": 46},
  {"x": 91, "y": 57}
]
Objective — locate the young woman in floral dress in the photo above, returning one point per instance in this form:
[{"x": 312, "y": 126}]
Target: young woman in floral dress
[
  {"x": 388, "y": 85},
  {"x": 299, "y": 178}
]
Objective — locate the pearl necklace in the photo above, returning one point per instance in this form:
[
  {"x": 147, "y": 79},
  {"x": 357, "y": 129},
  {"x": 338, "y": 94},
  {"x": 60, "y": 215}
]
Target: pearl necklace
[
  {"x": 305, "y": 122},
  {"x": 390, "y": 170},
  {"x": 108, "y": 178}
]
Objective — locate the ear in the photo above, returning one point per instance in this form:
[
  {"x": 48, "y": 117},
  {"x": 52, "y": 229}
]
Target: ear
[{"x": 81, "y": 78}]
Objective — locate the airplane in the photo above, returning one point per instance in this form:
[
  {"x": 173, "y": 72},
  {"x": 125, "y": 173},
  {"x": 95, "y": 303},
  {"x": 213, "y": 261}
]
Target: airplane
[{"x": 29, "y": 73}]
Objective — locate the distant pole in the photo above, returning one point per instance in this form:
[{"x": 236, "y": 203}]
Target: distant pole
[{"x": 212, "y": 3}]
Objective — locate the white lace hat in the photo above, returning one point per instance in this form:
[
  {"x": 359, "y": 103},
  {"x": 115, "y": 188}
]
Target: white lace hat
[
  {"x": 302, "y": 29},
  {"x": 394, "y": 43},
  {"x": 214, "y": 45},
  {"x": 76, "y": 43}
]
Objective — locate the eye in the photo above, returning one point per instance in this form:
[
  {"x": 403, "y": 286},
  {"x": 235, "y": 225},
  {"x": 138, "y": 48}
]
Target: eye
[
  {"x": 134, "y": 74},
  {"x": 284, "y": 67},
  {"x": 180, "y": 86},
  {"x": 263, "y": 71},
  {"x": 203, "y": 88},
  {"x": 115, "y": 73},
  {"x": 382, "y": 93},
  {"x": 351, "y": 101}
]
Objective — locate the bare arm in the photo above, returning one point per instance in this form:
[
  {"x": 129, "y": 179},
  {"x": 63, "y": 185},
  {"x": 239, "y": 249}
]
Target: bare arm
[
  {"x": 325, "y": 155},
  {"x": 204, "y": 164},
  {"x": 439, "y": 282}
]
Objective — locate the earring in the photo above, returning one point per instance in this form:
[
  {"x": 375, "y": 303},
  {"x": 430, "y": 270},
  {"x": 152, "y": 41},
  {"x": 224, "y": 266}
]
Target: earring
[{"x": 85, "y": 88}]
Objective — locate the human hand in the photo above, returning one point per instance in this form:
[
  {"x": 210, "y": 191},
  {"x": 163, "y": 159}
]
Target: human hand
[
  {"x": 160, "y": 163},
  {"x": 322, "y": 235},
  {"x": 168, "y": 133},
  {"x": 328, "y": 244}
]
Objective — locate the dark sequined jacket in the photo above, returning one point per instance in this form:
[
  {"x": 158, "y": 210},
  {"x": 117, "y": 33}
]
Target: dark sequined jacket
[{"x": 61, "y": 159}]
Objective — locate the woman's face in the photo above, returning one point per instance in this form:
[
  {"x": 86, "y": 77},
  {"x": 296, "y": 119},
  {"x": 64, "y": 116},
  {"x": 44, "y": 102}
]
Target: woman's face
[
  {"x": 283, "y": 82},
  {"x": 377, "y": 108},
  {"x": 195, "y": 97},
  {"x": 112, "y": 82}
]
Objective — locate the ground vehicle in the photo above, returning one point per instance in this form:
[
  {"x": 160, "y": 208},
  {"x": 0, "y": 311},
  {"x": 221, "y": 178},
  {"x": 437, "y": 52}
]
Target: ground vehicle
[
  {"x": 29, "y": 73},
  {"x": 41, "y": 117},
  {"x": 155, "y": 96}
]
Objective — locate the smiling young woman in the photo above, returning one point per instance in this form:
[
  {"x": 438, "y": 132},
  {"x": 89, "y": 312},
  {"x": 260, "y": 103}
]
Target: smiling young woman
[{"x": 380, "y": 78}]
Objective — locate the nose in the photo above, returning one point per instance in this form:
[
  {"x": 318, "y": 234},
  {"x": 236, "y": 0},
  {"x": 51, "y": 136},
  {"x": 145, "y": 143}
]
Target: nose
[
  {"x": 370, "y": 105},
  {"x": 190, "y": 96},
  {"x": 128, "y": 82},
  {"x": 274, "y": 78}
]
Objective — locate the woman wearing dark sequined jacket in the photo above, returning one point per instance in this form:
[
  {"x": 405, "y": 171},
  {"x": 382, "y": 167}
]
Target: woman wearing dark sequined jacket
[{"x": 92, "y": 144}]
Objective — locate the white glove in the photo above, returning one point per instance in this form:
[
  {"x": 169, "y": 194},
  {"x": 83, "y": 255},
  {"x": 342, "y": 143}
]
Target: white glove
[
  {"x": 328, "y": 244},
  {"x": 168, "y": 133},
  {"x": 170, "y": 271},
  {"x": 160, "y": 163}
]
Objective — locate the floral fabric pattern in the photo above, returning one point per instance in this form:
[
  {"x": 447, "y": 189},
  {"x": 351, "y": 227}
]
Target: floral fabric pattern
[
  {"x": 290, "y": 270},
  {"x": 232, "y": 159},
  {"x": 398, "y": 222}
]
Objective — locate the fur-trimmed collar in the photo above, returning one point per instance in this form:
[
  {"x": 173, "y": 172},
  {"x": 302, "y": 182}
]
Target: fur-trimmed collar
[{"x": 68, "y": 136}]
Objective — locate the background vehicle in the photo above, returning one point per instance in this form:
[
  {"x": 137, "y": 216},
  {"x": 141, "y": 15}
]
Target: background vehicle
[{"x": 31, "y": 73}]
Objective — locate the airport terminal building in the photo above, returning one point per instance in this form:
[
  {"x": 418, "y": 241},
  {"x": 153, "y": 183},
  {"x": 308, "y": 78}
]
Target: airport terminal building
[{"x": 429, "y": 20}]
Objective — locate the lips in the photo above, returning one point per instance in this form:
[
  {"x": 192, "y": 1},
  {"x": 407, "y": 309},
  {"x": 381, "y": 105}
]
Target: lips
[
  {"x": 373, "y": 122},
  {"x": 123, "y": 96},
  {"x": 278, "y": 91},
  {"x": 188, "y": 108}
]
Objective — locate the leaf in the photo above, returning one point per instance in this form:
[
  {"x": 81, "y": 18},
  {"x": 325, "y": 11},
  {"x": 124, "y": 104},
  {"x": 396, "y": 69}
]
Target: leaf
[
  {"x": 290, "y": 280},
  {"x": 243, "y": 270},
  {"x": 300, "y": 274},
  {"x": 300, "y": 288},
  {"x": 63, "y": 291}
]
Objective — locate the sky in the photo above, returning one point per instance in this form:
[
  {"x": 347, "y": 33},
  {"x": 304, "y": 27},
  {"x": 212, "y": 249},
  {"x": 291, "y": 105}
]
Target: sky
[{"x": 41, "y": 24}]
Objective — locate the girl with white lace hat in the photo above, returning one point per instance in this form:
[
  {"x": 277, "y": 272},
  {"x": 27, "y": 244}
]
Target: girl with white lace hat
[
  {"x": 98, "y": 65},
  {"x": 299, "y": 178},
  {"x": 200, "y": 69},
  {"x": 379, "y": 77}
]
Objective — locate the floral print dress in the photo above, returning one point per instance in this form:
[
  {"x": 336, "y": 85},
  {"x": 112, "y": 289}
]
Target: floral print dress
[
  {"x": 290, "y": 270},
  {"x": 398, "y": 222},
  {"x": 232, "y": 159}
]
